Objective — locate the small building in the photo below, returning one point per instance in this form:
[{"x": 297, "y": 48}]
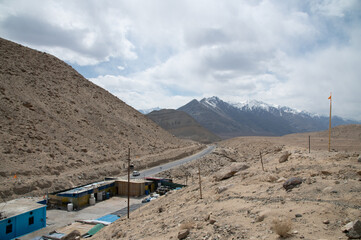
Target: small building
[
  {"x": 138, "y": 187},
  {"x": 80, "y": 196},
  {"x": 20, "y": 217}
]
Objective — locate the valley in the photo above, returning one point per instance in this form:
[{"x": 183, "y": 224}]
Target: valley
[{"x": 59, "y": 130}]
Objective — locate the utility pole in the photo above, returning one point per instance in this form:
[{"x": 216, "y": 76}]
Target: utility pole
[
  {"x": 128, "y": 177},
  {"x": 200, "y": 181},
  {"x": 260, "y": 154},
  {"x": 329, "y": 127},
  {"x": 309, "y": 144}
]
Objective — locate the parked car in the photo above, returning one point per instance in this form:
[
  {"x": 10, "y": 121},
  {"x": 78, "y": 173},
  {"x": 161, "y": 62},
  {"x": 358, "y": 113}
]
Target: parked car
[{"x": 135, "y": 173}]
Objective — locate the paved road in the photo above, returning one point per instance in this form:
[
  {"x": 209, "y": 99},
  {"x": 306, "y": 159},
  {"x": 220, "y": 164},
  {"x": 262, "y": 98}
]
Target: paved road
[
  {"x": 167, "y": 166},
  {"x": 59, "y": 218}
]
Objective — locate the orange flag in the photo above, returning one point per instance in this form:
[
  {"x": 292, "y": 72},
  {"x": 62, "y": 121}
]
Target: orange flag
[
  {"x": 15, "y": 176},
  {"x": 329, "y": 97}
]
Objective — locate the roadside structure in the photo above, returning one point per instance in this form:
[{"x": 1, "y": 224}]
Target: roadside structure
[
  {"x": 80, "y": 196},
  {"x": 138, "y": 187},
  {"x": 20, "y": 217}
]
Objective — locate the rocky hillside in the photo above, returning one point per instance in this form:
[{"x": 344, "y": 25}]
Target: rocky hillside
[
  {"x": 182, "y": 125},
  {"x": 298, "y": 195},
  {"x": 57, "y": 129},
  {"x": 254, "y": 118}
]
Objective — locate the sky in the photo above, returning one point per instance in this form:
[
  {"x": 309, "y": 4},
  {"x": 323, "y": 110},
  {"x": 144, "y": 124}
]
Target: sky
[{"x": 165, "y": 53}]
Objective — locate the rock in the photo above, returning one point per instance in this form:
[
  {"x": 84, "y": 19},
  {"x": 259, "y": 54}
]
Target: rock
[
  {"x": 230, "y": 171},
  {"x": 326, "y": 221},
  {"x": 72, "y": 235},
  {"x": 298, "y": 215},
  {"x": 284, "y": 157},
  {"x": 260, "y": 218},
  {"x": 271, "y": 178},
  {"x": 327, "y": 189},
  {"x": 359, "y": 158},
  {"x": 327, "y": 173},
  {"x": 221, "y": 189},
  {"x": 212, "y": 220},
  {"x": 281, "y": 179},
  {"x": 353, "y": 229},
  {"x": 347, "y": 227},
  {"x": 182, "y": 234},
  {"x": 292, "y": 182}
]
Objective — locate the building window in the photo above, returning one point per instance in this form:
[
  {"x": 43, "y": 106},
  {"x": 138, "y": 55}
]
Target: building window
[
  {"x": 9, "y": 228},
  {"x": 31, "y": 220}
]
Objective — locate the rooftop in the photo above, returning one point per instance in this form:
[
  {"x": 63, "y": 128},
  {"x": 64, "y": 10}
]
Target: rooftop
[
  {"x": 18, "y": 206},
  {"x": 132, "y": 180},
  {"x": 86, "y": 187}
]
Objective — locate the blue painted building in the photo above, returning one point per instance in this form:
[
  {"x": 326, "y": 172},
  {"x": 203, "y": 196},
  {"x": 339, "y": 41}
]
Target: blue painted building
[{"x": 20, "y": 217}]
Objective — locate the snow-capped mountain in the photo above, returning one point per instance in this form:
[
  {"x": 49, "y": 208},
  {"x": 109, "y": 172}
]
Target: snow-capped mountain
[
  {"x": 149, "y": 110},
  {"x": 252, "y": 118}
]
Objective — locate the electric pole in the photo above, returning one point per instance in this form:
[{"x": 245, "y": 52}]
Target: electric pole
[{"x": 128, "y": 178}]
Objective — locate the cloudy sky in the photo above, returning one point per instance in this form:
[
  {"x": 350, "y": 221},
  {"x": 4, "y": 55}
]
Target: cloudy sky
[{"x": 155, "y": 53}]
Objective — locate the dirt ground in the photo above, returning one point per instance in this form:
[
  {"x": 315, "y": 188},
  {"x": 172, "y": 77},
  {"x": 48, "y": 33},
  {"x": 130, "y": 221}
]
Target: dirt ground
[{"x": 250, "y": 204}]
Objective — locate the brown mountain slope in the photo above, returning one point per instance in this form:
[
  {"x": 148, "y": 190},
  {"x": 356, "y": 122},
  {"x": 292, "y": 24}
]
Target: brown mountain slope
[
  {"x": 343, "y": 138},
  {"x": 247, "y": 205},
  {"x": 182, "y": 125},
  {"x": 58, "y": 129}
]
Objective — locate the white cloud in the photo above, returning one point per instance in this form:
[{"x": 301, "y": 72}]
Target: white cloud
[
  {"x": 81, "y": 32},
  {"x": 167, "y": 52}
]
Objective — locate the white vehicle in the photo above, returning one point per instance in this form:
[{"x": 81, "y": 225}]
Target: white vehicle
[{"x": 135, "y": 173}]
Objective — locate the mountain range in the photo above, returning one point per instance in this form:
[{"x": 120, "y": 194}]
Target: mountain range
[
  {"x": 182, "y": 125},
  {"x": 254, "y": 118}
]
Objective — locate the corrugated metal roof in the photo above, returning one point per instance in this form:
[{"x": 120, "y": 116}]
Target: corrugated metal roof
[
  {"x": 109, "y": 218},
  {"x": 95, "y": 229}
]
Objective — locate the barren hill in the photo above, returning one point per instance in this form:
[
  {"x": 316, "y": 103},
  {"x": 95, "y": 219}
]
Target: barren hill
[
  {"x": 343, "y": 138},
  {"x": 182, "y": 125},
  {"x": 242, "y": 201},
  {"x": 58, "y": 129}
]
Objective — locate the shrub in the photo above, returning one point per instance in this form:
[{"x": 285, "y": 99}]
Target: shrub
[{"x": 282, "y": 226}]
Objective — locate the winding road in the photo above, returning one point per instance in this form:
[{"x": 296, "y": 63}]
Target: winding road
[{"x": 170, "y": 165}]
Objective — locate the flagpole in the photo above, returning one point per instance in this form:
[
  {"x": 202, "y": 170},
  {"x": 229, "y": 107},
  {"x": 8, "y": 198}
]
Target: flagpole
[{"x": 329, "y": 127}]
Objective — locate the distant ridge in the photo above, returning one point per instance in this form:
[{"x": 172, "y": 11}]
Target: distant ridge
[
  {"x": 182, "y": 125},
  {"x": 146, "y": 111},
  {"x": 254, "y": 118}
]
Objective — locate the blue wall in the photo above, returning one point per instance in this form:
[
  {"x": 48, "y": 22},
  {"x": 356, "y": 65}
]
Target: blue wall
[{"x": 21, "y": 223}]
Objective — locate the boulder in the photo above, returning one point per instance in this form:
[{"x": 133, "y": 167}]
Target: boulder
[
  {"x": 359, "y": 158},
  {"x": 292, "y": 182},
  {"x": 182, "y": 234},
  {"x": 284, "y": 157},
  {"x": 353, "y": 229},
  {"x": 230, "y": 171}
]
